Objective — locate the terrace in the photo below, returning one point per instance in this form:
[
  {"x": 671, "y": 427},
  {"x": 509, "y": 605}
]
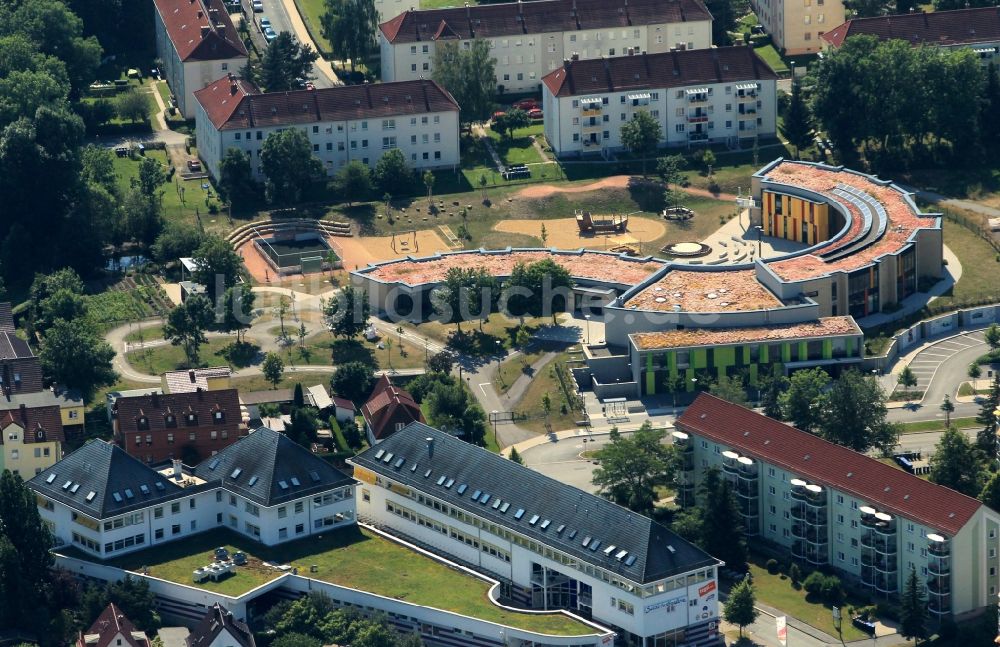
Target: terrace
[
  {"x": 350, "y": 557},
  {"x": 823, "y": 327},
  {"x": 705, "y": 292}
]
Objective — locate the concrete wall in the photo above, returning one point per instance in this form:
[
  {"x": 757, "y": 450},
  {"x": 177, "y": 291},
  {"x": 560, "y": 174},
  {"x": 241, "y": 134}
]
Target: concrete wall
[{"x": 947, "y": 324}]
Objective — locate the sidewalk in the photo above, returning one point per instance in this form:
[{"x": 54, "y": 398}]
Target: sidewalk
[{"x": 303, "y": 35}]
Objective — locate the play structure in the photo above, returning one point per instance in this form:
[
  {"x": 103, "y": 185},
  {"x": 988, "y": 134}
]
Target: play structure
[
  {"x": 405, "y": 242},
  {"x": 591, "y": 224}
]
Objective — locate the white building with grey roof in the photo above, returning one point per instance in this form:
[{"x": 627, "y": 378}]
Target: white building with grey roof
[
  {"x": 106, "y": 503},
  {"x": 552, "y": 546}
]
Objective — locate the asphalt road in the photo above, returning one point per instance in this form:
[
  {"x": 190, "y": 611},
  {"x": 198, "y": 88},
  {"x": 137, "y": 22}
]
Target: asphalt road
[{"x": 277, "y": 12}]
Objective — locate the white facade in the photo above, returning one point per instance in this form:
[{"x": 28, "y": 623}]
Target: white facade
[
  {"x": 189, "y": 515},
  {"x": 662, "y": 611},
  {"x": 700, "y": 114},
  {"x": 523, "y": 59},
  {"x": 428, "y": 141}
]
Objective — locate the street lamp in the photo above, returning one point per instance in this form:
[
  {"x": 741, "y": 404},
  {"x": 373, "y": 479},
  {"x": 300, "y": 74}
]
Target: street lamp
[
  {"x": 587, "y": 317},
  {"x": 495, "y": 439},
  {"x": 760, "y": 232}
]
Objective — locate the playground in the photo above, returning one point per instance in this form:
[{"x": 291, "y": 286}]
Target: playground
[
  {"x": 565, "y": 233},
  {"x": 360, "y": 251}
]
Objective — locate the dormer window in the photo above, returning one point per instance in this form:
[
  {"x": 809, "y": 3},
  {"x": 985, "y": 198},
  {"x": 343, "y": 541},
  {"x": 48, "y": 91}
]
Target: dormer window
[
  {"x": 143, "y": 423},
  {"x": 170, "y": 420},
  {"x": 40, "y": 435},
  {"x": 192, "y": 419},
  {"x": 220, "y": 417}
]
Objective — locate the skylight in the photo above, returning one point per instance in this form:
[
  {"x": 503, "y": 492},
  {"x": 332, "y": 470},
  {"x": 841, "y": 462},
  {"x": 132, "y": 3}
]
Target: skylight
[
  {"x": 129, "y": 494},
  {"x": 449, "y": 483},
  {"x": 76, "y": 486},
  {"x": 90, "y": 496},
  {"x": 117, "y": 497},
  {"x": 594, "y": 545},
  {"x": 253, "y": 481},
  {"x": 496, "y": 503},
  {"x": 51, "y": 478},
  {"x": 214, "y": 463},
  {"x": 283, "y": 485},
  {"x": 519, "y": 514},
  {"x": 160, "y": 486},
  {"x": 484, "y": 499},
  {"x": 414, "y": 468},
  {"x": 533, "y": 520},
  {"x": 144, "y": 489},
  {"x": 560, "y": 528},
  {"x": 545, "y": 524},
  {"x": 475, "y": 495},
  {"x": 571, "y": 535},
  {"x": 379, "y": 453},
  {"x": 620, "y": 555},
  {"x": 586, "y": 541},
  {"x": 67, "y": 484},
  {"x": 505, "y": 507},
  {"x": 462, "y": 488},
  {"x": 399, "y": 462},
  {"x": 295, "y": 480},
  {"x": 610, "y": 549},
  {"x": 428, "y": 473},
  {"x": 441, "y": 479},
  {"x": 387, "y": 458},
  {"x": 631, "y": 560},
  {"x": 236, "y": 473}
]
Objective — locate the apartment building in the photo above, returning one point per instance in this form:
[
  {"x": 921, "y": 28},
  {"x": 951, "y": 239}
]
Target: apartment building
[
  {"x": 192, "y": 425},
  {"x": 699, "y": 96},
  {"x": 31, "y": 439},
  {"x": 530, "y": 39},
  {"x": 197, "y": 42},
  {"x": 344, "y": 123},
  {"x": 550, "y": 545},
  {"x": 798, "y": 26},
  {"x": 976, "y": 29},
  {"x": 105, "y": 502},
  {"x": 831, "y": 507}
]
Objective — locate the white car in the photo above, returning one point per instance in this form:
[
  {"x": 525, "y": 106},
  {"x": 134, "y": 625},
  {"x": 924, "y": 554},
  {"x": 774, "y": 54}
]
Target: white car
[{"x": 257, "y": 5}]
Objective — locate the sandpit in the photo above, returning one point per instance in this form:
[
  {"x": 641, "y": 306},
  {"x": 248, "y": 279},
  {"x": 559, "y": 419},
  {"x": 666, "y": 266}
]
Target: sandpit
[
  {"x": 360, "y": 251},
  {"x": 563, "y": 232}
]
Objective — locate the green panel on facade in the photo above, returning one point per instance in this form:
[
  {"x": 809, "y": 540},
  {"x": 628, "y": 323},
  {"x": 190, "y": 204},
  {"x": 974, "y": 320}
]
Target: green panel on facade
[
  {"x": 803, "y": 351},
  {"x": 672, "y": 361},
  {"x": 850, "y": 346},
  {"x": 725, "y": 357},
  {"x": 689, "y": 379},
  {"x": 753, "y": 374},
  {"x": 786, "y": 353},
  {"x": 746, "y": 354},
  {"x": 649, "y": 362},
  {"x": 827, "y": 349},
  {"x": 650, "y": 382},
  {"x": 764, "y": 359},
  {"x": 699, "y": 358}
]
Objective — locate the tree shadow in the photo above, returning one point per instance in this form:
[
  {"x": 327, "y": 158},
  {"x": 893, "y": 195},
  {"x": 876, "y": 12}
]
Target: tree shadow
[
  {"x": 343, "y": 351},
  {"x": 241, "y": 354}
]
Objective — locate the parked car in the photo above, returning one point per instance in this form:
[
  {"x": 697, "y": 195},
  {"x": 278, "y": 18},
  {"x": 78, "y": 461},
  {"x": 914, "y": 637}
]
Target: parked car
[
  {"x": 535, "y": 113},
  {"x": 265, "y": 23},
  {"x": 527, "y": 104},
  {"x": 516, "y": 172},
  {"x": 194, "y": 165},
  {"x": 221, "y": 553},
  {"x": 257, "y": 5},
  {"x": 498, "y": 114},
  {"x": 310, "y": 86},
  {"x": 240, "y": 558},
  {"x": 270, "y": 34}
]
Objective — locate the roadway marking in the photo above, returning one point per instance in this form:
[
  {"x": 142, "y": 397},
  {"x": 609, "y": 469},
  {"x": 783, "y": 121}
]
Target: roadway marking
[{"x": 485, "y": 394}]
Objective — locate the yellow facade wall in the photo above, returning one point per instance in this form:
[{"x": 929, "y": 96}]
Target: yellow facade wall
[
  {"x": 20, "y": 457},
  {"x": 796, "y": 215},
  {"x": 71, "y": 415}
]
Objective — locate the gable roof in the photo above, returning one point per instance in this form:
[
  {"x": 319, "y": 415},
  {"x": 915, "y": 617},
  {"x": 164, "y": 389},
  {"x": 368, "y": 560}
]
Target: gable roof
[
  {"x": 956, "y": 27},
  {"x": 193, "y": 379},
  {"x": 388, "y": 405},
  {"x": 554, "y": 513},
  {"x": 540, "y": 16},
  {"x": 13, "y": 347},
  {"x": 156, "y": 406},
  {"x": 269, "y": 465},
  {"x": 232, "y": 103},
  {"x": 828, "y": 464},
  {"x": 216, "y": 620},
  {"x": 664, "y": 70},
  {"x": 110, "y": 624},
  {"x": 6, "y": 317},
  {"x": 105, "y": 470},
  {"x": 200, "y": 30},
  {"x": 47, "y": 419}
]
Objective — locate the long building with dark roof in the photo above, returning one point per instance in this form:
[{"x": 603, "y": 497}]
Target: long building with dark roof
[
  {"x": 833, "y": 507},
  {"x": 344, "y": 123},
  {"x": 198, "y": 43},
  {"x": 530, "y": 39},
  {"x": 701, "y": 96},
  {"x": 105, "y": 502},
  {"x": 551, "y": 545}
]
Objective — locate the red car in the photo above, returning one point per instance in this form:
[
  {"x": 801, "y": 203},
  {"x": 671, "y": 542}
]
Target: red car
[
  {"x": 498, "y": 114},
  {"x": 527, "y": 104},
  {"x": 535, "y": 113}
]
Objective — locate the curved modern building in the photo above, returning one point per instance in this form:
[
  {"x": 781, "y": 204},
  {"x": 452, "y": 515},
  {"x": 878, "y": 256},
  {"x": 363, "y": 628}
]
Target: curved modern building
[{"x": 864, "y": 246}]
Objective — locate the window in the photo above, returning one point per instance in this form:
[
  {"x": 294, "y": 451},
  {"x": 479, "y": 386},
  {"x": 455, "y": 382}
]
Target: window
[
  {"x": 840, "y": 499},
  {"x": 175, "y": 507},
  {"x": 679, "y": 128},
  {"x": 252, "y": 530},
  {"x": 282, "y": 533},
  {"x": 158, "y": 533},
  {"x": 388, "y": 124},
  {"x": 300, "y": 528},
  {"x": 282, "y": 512},
  {"x": 388, "y": 142},
  {"x": 252, "y": 509},
  {"x": 170, "y": 439},
  {"x": 175, "y": 529},
  {"x": 771, "y": 490},
  {"x": 298, "y": 507},
  {"x": 158, "y": 512},
  {"x": 191, "y": 503},
  {"x": 194, "y": 524}
]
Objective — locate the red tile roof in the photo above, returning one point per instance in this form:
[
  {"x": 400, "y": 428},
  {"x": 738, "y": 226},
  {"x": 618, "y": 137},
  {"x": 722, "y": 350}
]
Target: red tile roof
[
  {"x": 958, "y": 27},
  {"x": 111, "y": 623},
  {"x": 200, "y": 30},
  {"x": 664, "y": 70},
  {"x": 46, "y": 419},
  {"x": 155, "y": 408},
  {"x": 540, "y": 16},
  {"x": 235, "y": 104},
  {"x": 388, "y": 405},
  {"x": 827, "y": 464}
]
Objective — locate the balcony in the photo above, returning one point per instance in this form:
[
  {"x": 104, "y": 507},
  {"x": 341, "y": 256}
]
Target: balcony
[
  {"x": 697, "y": 136},
  {"x": 808, "y": 552},
  {"x": 939, "y": 605},
  {"x": 938, "y": 546},
  {"x": 588, "y": 126},
  {"x": 939, "y": 566},
  {"x": 939, "y": 586},
  {"x": 810, "y": 515},
  {"x": 884, "y": 584},
  {"x": 697, "y": 119},
  {"x": 811, "y": 495},
  {"x": 879, "y": 544},
  {"x": 593, "y": 111},
  {"x": 697, "y": 98},
  {"x": 746, "y": 96}
]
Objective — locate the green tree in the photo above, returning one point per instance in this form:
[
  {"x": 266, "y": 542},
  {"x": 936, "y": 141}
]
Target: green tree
[
  {"x": 722, "y": 532},
  {"x": 739, "y": 608},
  {"x": 132, "y": 105},
  {"x": 150, "y": 178},
  {"x": 137, "y": 602},
  {"x": 797, "y": 123},
  {"x": 669, "y": 169},
  {"x": 991, "y": 107},
  {"x": 906, "y": 378},
  {"x": 238, "y": 309},
  {"x": 451, "y": 407},
  {"x": 986, "y": 439},
  {"x": 289, "y": 165},
  {"x": 24, "y": 557},
  {"x": 186, "y": 325},
  {"x": 428, "y": 178},
  {"x": 948, "y": 408},
  {"x": 98, "y": 167},
  {"x": 724, "y": 15},
  {"x": 353, "y": 181},
  {"x": 392, "y": 173},
  {"x": 465, "y": 293},
  {"x": 854, "y": 414},
  {"x": 219, "y": 267},
  {"x": 285, "y": 64},
  {"x": 74, "y": 354},
  {"x": 62, "y": 304},
  {"x": 800, "y": 402},
  {"x": 351, "y": 27},
  {"x": 510, "y": 121},
  {"x": 353, "y": 380},
  {"x": 176, "y": 240},
  {"x": 974, "y": 373},
  {"x": 236, "y": 184},
  {"x": 641, "y": 135},
  {"x": 539, "y": 289},
  {"x": 913, "y": 608},
  {"x": 442, "y": 362},
  {"x": 515, "y": 456},
  {"x": 469, "y": 75},
  {"x": 957, "y": 463},
  {"x": 771, "y": 387},
  {"x": 142, "y": 215},
  {"x": 990, "y": 496},
  {"x": 295, "y": 639},
  {"x": 346, "y": 313},
  {"x": 730, "y": 389},
  {"x": 992, "y": 336},
  {"x": 273, "y": 368},
  {"x": 632, "y": 467},
  {"x": 43, "y": 287}
]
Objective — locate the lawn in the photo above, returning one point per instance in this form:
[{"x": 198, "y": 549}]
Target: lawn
[
  {"x": 167, "y": 357},
  {"x": 776, "y": 591},
  {"x": 772, "y": 58},
  {"x": 348, "y": 557},
  {"x": 530, "y": 404},
  {"x": 515, "y": 366},
  {"x": 938, "y": 425},
  {"x": 496, "y": 328},
  {"x": 312, "y": 11},
  {"x": 323, "y": 349},
  {"x": 145, "y": 334},
  {"x": 518, "y": 148},
  {"x": 979, "y": 266},
  {"x": 288, "y": 380},
  {"x": 966, "y": 390},
  {"x": 438, "y": 4}
]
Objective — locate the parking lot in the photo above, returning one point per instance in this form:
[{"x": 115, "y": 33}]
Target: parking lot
[{"x": 927, "y": 362}]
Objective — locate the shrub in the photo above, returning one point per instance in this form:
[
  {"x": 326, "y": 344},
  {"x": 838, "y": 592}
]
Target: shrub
[
  {"x": 831, "y": 589},
  {"x": 869, "y": 612},
  {"x": 814, "y": 583},
  {"x": 772, "y": 566},
  {"x": 887, "y": 610},
  {"x": 795, "y": 574}
]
